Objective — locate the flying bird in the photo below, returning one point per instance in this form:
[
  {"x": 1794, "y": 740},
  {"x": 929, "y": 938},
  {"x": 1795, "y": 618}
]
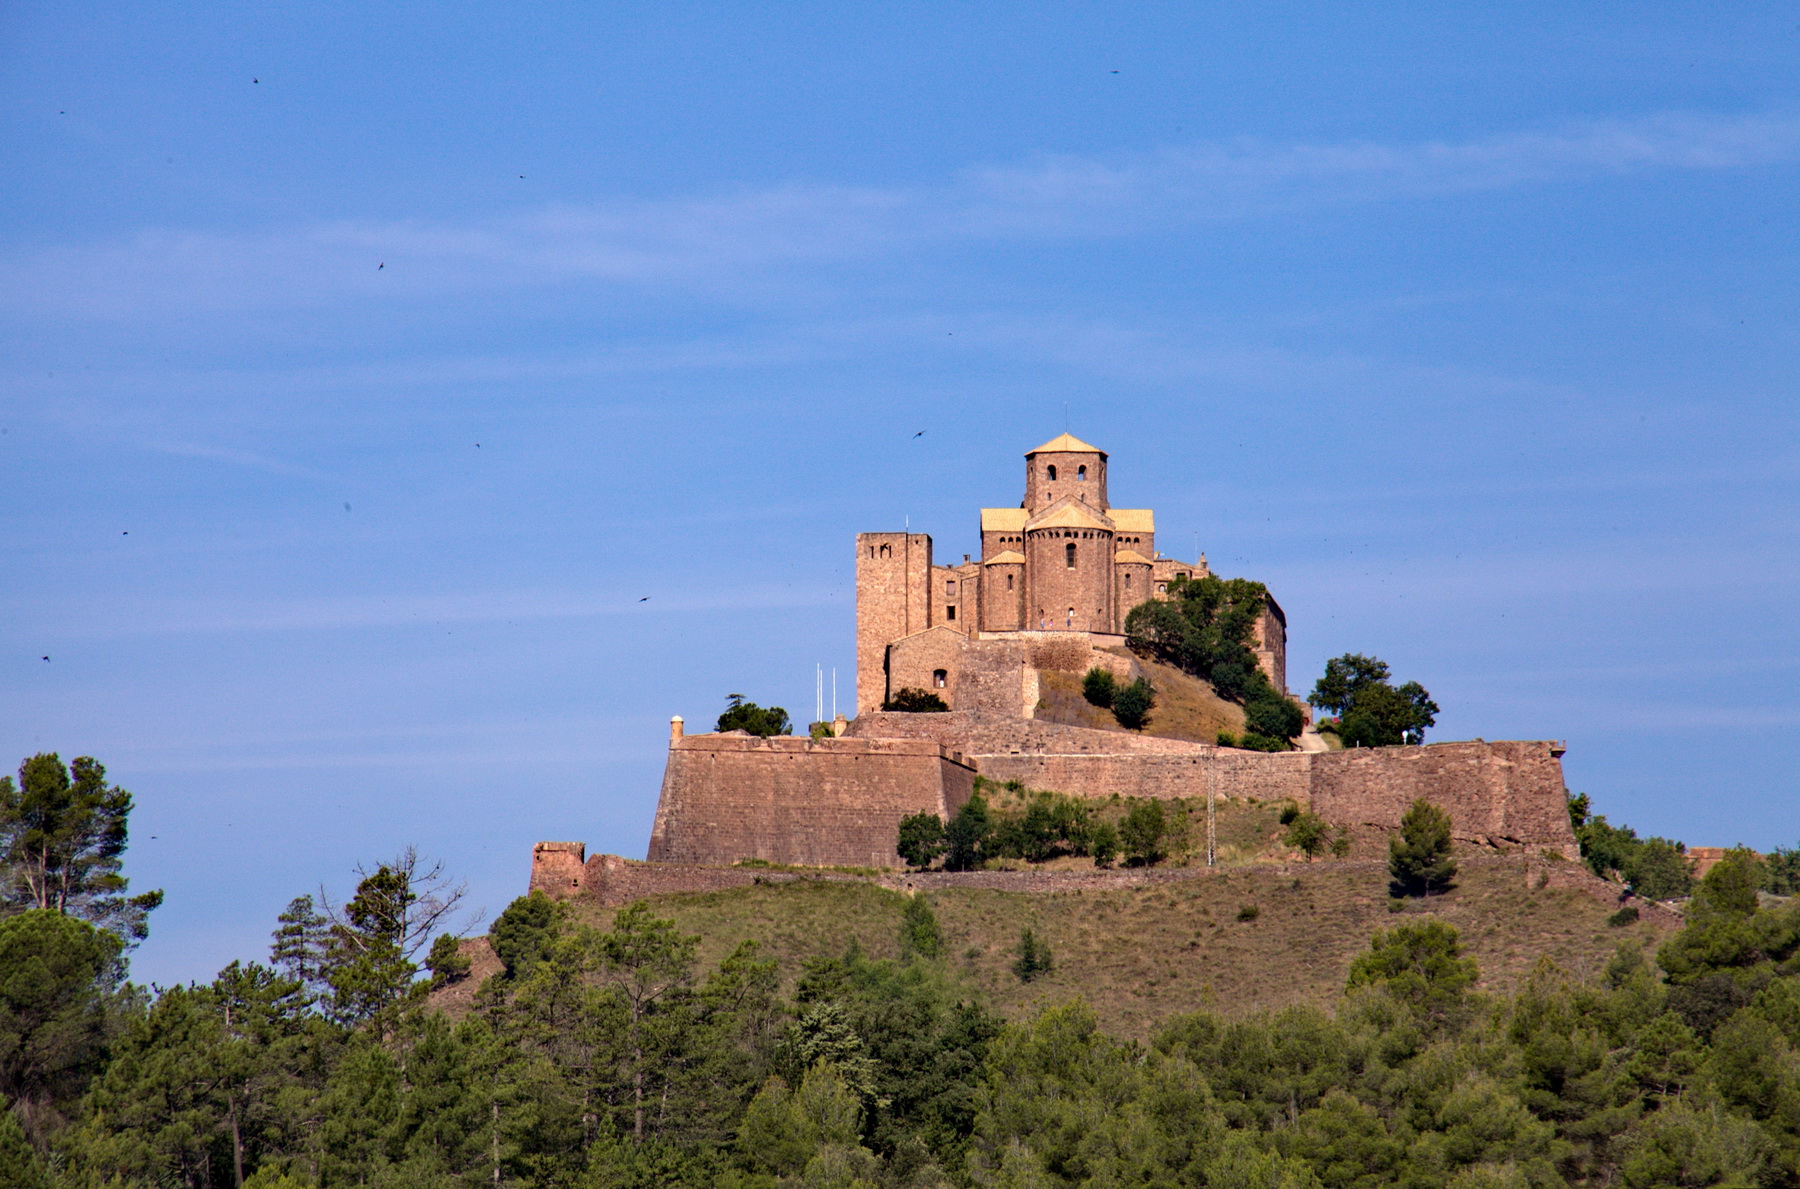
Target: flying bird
[
  {"x": 920, "y": 434},
  {"x": 645, "y": 599},
  {"x": 381, "y": 266},
  {"x": 46, "y": 658}
]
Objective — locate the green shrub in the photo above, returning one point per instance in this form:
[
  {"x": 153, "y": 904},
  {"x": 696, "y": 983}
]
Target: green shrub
[
  {"x": 1225, "y": 739},
  {"x": 1103, "y": 843},
  {"x": 1142, "y": 834},
  {"x": 1132, "y": 705},
  {"x": 915, "y": 701},
  {"x": 1099, "y": 687},
  {"x": 921, "y": 839},
  {"x": 1308, "y": 834},
  {"x": 1625, "y": 916},
  {"x": 919, "y": 932},
  {"x": 1248, "y": 912},
  {"x": 1289, "y": 811},
  {"x": 757, "y": 720}
]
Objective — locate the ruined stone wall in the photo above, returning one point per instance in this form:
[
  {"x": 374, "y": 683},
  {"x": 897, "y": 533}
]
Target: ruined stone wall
[
  {"x": 558, "y": 868},
  {"x": 816, "y": 802},
  {"x": 1502, "y": 794}
]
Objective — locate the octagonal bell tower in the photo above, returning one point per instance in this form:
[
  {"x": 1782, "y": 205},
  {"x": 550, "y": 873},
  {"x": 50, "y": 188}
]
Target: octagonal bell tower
[{"x": 1065, "y": 467}]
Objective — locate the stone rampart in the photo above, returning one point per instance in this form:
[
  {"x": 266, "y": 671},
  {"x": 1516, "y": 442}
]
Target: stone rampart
[
  {"x": 1498, "y": 794},
  {"x": 813, "y": 802}
]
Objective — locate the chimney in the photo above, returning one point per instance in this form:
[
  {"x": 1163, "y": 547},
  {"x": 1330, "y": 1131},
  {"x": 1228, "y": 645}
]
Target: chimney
[{"x": 675, "y": 725}]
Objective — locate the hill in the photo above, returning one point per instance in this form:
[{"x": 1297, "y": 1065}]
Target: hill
[{"x": 1238, "y": 940}]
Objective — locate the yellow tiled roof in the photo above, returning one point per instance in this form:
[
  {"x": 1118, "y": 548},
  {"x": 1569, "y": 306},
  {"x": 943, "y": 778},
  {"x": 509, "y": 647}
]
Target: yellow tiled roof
[
  {"x": 1002, "y": 520},
  {"x": 1131, "y": 556},
  {"x": 1065, "y": 444},
  {"x": 1133, "y": 520},
  {"x": 1068, "y": 515},
  {"x": 1006, "y": 557}
]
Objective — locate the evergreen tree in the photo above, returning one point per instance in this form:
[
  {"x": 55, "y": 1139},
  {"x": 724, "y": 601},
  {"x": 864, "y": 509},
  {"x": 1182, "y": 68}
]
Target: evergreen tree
[
  {"x": 919, "y": 933},
  {"x": 63, "y": 832},
  {"x": 57, "y": 980},
  {"x": 741, "y": 715},
  {"x": 1419, "y": 861},
  {"x": 966, "y": 837}
]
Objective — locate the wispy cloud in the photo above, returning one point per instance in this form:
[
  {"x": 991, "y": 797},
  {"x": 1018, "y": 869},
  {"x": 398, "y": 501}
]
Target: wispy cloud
[
  {"x": 717, "y": 240},
  {"x": 406, "y": 609}
]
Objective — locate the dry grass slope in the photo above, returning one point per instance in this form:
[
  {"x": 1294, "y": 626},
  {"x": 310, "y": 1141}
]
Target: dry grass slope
[
  {"x": 1186, "y": 707},
  {"x": 1141, "y": 955}
]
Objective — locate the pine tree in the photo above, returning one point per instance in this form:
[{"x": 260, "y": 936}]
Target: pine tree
[{"x": 1419, "y": 861}]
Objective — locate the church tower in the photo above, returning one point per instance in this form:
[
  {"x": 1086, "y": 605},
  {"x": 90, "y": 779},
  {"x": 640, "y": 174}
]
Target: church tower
[{"x": 1065, "y": 466}]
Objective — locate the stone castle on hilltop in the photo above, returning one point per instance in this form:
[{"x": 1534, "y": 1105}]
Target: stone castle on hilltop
[
  {"x": 1057, "y": 577},
  {"x": 1064, "y": 565}
]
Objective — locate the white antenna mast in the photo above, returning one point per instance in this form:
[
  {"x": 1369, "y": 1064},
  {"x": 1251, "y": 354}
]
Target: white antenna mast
[{"x": 819, "y": 711}]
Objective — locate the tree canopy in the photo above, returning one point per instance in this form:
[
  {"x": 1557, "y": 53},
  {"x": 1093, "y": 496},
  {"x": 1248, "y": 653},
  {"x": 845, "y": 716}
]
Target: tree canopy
[
  {"x": 1372, "y": 712},
  {"x": 63, "y": 833},
  {"x": 742, "y": 715},
  {"x": 1207, "y": 628}
]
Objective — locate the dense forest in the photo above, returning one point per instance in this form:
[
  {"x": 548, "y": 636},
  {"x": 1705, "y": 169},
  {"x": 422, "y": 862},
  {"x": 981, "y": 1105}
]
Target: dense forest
[{"x": 605, "y": 1054}]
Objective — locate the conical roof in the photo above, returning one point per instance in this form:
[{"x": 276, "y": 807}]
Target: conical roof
[{"x": 1065, "y": 444}]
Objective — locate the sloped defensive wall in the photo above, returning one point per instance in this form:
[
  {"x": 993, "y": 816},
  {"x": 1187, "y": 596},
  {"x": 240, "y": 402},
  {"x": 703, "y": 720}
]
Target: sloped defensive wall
[{"x": 814, "y": 802}]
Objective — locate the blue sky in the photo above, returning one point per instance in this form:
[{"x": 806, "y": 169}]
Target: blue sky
[{"x": 364, "y": 366}]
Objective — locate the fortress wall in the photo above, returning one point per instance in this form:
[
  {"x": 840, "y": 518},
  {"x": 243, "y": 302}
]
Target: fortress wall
[
  {"x": 1262, "y": 776},
  {"x": 817, "y": 802},
  {"x": 1159, "y": 777},
  {"x": 1222, "y": 773},
  {"x": 613, "y": 881},
  {"x": 1509, "y": 793},
  {"x": 558, "y": 868}
]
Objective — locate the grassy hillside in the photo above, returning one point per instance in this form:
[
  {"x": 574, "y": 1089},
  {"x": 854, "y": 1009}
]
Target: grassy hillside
[
  {"x": 1142, "y": 954},
  {"x": 1186, "y": 707}
]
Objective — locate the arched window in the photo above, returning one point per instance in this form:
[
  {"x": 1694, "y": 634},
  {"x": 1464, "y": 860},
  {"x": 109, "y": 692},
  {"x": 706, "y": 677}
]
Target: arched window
[
  {"x": 939, "y": 677},
  {"x": 886, "y": 551},
  {"x": 1127, "y": 579},
  {"x": 1081, "y": 474},
  {"x": 1009, "y": 579},
  {"x": 1071, "y": 618},
  {"x": 1069, "y": 553},
  {"x": 1050, "y": 473}
]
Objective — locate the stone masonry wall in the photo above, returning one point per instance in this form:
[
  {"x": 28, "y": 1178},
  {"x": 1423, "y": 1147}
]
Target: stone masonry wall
[
  {"x": 893, "y": 599},
  {"x": 1508, "y": 793},
  {"x": 816, "y": 802}
]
